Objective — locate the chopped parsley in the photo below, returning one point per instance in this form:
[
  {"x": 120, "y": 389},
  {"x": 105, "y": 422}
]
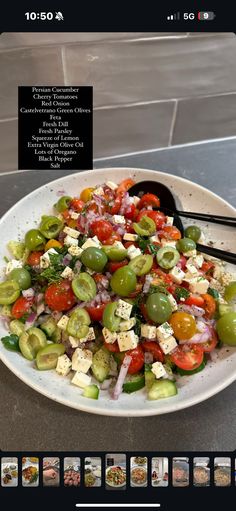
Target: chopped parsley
[
  {"x": 181, "y": 292},
  {"x": 144, "y": 243},
  {"x": 213, "y": 292},
  {"x": 53, "y": 272}
]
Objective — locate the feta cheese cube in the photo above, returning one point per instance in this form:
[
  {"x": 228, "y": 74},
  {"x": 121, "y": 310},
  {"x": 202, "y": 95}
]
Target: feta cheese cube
[
  {"x": 191, "y": 268},
  {"x": 82, "y": 360},
  {"x": 62, "y": 323},
  {"x": 118, "y": 245},
  {"x": 168, "y": 243},
  {"x": 119, "y": 219},
  {"x": 190, "y": 253},
  {"x": 168, "y": 345},
  {"x": 127, "y": 324},
  {"x": 128, "y": 236},
  {"x": 158, "y": 369},
  {"x": 63, "y": 365},
  {"x": 71, "y": 232},
  {"x": 177, "y": 274},
  {"x": 148, "y": 331},
  {"x": 91, "y": 242},
  {"x": 81, "y": 380},
  {"x": 169, "y": 220},
  {"x": 164, "y": 331},
  {"x": 45, "y": 258},
  {"x": 154, "y": 239},
  {"x": 127, "y": 340},
  {"x": 173, "y": 303},
  {"x": 75, "y": 251},
  {"x": 199, "y": 285},
  {"x": 89, "y": 337},
  {"x": 109, "y": 337},
  {"x": 67, "y": 273},
  {"x": 198, "y": 261},
  {"x": 74, "y": 215},
  {"x": 111, "y": 185},
  {"x": 12, "y": 265},
  {"x": 123, "y": 309},
  {"x": 136, "y": 199},
  {"x": 69, "y": 241},
  {"x": 133, "y": 252},
  {"x": 74, "y": 341},
  {"x": 98, "y": 191}
]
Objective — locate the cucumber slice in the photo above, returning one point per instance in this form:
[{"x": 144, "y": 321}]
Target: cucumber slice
[
  {"x": 49, "y": 326},
  {"x": 101, "y": 364},
  {"x": 47, "y": 357},
  {"x": 133, "y": 382},
  {"x": 16, "y": 327},
  {"x": 56, "y": 336},
  {"x": 31, "y": 342},
  {"x": 162, "y": 389},
  {"x": 91, "y": 391},
  {"x": 149, "y": 378}
]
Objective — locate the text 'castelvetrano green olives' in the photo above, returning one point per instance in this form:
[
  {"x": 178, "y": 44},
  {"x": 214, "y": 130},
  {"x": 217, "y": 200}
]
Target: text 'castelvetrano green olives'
[
  {"x": 50, "y": 226},
  {"x": 185, "y": 245},
  {"x": 158, "y": 307},
  {"x": 226, "y": 328},
  {"x": 34, "y": 240},
  {"x": 193, "y": 232},
  {"x": 123, "y": 281},
  {"x": 94, "y": 258},
  {"x": 141, "y": 264},
  {"x": 22, "y": 276}
]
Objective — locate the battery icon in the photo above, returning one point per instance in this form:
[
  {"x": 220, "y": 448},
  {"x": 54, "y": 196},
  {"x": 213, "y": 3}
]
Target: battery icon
[{"x": 206, "y": 16}]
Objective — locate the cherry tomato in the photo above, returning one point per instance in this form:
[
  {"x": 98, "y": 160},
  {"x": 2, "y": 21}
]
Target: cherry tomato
[
  {"x": 21, "y": 307},
  {"x": 145, "y": 314},
  {"x": 211, "y": 343},
  {"x": 209, "y": 305},
  {"x": 161, "y": 277},
  {"x": 188, "y": 357},
  {"x": 102, "y": 229},
  {"x": 114, "y": 237},
  {"x": 195, "y": 300},
  {"x": 170, "y": 232},
  {"x": 125, "y": 185},
  {"x": 34, "y": 258},
  {"x": 137, "y": 361},
  {"x": 208, "y": 267},
  {"x": 113, "y": 348},
  {"x": 113, "y": 266},
  {"x": 96, "y": 313},
  {"x": 66, "y": 215},
  {"x": 153, "y": 348},
  {"x": 130, "y": 212},
  {"x": 92, "y": 206},
  {"x": 183, "y": 324},
  {"x": 157, "y": 216},
  {"x": 72, "y": 223},
  {"x": 113, "y": 206},
  {"x": 86, "y": 194},
  {"x": 77, "y": 204},
  {"x": 149, "y": 199},
  {"x": 129, "y": 227},
  {"x": 59, "y": 296},
  {"x": 128, "y": 244}
]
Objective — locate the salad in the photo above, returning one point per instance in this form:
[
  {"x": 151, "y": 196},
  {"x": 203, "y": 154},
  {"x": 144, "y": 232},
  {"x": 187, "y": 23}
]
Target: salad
[
  {"x": 108, "y": 292},
  {"x": 115, "y": 476}
]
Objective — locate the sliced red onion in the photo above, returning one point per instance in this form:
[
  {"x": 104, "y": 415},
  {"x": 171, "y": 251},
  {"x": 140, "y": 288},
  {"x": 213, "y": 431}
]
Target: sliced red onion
[
  {"x": 147, "y": 283},
  {"x": 28, "y": 293},
  {"x": 106, "y": 384},
  {"x": 192, "y": 309},
  {"x": 121, "y": 377},
  {"x": 40, "y": 308},
  {"x": 77, "y": 266},
  {"x": 61, "y": 236},
  {"x": 148, "y": 357},
  {"x": 30, "y": 321},
  {"x": 5, "y": 321},
  {"x": 120, "y": 230},
  {"x": 200, "y": 337},
  {"x": 66, "y": 259},
  {"x": 124, "y": 203},
  {"x": 39, "y": 298}
]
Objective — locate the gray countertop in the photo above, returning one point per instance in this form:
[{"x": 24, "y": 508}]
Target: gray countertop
[{"x": 29, "y": 421}]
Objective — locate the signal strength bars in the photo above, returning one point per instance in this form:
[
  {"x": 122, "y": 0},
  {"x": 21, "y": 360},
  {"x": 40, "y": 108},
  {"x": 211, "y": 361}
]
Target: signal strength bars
[{"x": 173, "y": 17}]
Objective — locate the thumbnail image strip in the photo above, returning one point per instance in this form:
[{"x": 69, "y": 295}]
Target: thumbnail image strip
[
  {"x": 72, "y": 471},
  {"x": 51, "y": 471},
  {"x": 138, "y": 471},
  {"x": 30, "y": 471},
  {"x": 92, "y": 472},
  {"x": 222, "y": 471},
  {"x": 201, "y": 471},
  {"x": 9, "y": 472},
  {"x": 115, "y": 472}
]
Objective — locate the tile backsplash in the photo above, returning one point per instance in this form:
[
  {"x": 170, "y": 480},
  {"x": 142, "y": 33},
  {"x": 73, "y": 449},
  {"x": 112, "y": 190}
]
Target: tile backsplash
[{"x": 150, "y": 89}]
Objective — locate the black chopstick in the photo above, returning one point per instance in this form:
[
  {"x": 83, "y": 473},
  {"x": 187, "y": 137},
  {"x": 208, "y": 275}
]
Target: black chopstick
[
  {"x": 229, "y": 257},
  {"x": 217, "y": 219}
]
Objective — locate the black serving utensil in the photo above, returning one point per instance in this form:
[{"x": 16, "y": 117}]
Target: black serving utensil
[{"x": 166, "y": 197}]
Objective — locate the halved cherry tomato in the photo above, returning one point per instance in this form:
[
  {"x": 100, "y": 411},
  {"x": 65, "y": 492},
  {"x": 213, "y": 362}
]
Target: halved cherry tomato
[
  {"x": 129, "y": 227},
  {"x": 114, "y": 237},
  {"x": 211, "y": 343},
  {"x": 137, "y": 361},
  {"x": 137, "y": 290},
  {"x": 34, "y": 258},
  {"x": 92, "y": 206},
  {"x": 113, "y": 348},
  {"x": 102, "y": 229},
  {"x": 113, "y": 206},
  {"x": 59, "y": 296},
  {"x": 157, "y": 216},
  {"x": 66, "y": 215},
  {"x": 130, "y": 212},
  {"x": 125, "y": 185},
  {"x": 113, "y": 266},
  {"x": 21, "y": 307},
  {"x": 208, "y": 267},
  {"x": 188, "y": 357},
  {"x": 160, "y": 277},
  {"x": 128, "y": 244},
  {"x": 195, "y": 300},
  {"x": 77, "y": 204},
  {"x": 149, "y": 199},
  {"x": 209, "y": 305},
  {"x": 170, "y": 232},
  {"x": 153, "y": 348},
  {"x": 96, "y": 313}
]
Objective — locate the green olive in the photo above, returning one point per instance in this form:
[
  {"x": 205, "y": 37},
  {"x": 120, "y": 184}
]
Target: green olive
[
  {"x": 47, "y": 357},
  {"x": 141, "y": 264},
  {"x": 158, "y": 307},
  {"x": 94, "y": 258},
  {"x": 22, "y": 276},
  {"x": 226, "y": 328},
  {"x": 145, "y": 227},
  {"x": 34, "y": 240},
  {"x": 123, "y": 281},
  {"x": 50, "y": 226},
  {"x": 78, "y": 324},
  {"x": 193, "y": 232},
  {"x": 109, "y": 318},
  {"x": 31, "y": 342},
  {"x": 63, "y": 203},
  {"x": 9, "y": 292},
  {"x": 114, "y": 253},
  {"x": 185, "y": 245},
  {"x": 167, "y": 257},
  {"x": 84, "y": 287},
  {"x": 230, "y": 292}
]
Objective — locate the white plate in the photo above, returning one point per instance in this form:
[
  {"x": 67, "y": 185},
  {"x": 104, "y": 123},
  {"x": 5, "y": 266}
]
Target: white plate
[{"x": 26, "y": 214}]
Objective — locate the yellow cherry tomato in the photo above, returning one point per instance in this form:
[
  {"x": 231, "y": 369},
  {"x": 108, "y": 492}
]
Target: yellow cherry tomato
[
  {"x": 72, "y": 223},
  {"x": 52, "y": 244},
  {"x": 183, "y": 324},
  {"x": 86, "y": 194}
]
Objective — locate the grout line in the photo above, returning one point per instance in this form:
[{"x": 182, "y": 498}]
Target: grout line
[
  {"x": 64, "y": 68},
  {"x": 172, "y": 126},
  {"x": 136, "y": 153}
]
